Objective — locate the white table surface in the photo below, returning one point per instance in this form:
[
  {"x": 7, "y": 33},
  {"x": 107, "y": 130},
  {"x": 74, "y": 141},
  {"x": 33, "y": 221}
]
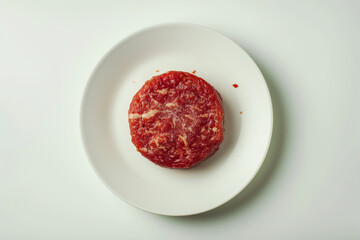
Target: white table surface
[{"x": 309, "y": 185}]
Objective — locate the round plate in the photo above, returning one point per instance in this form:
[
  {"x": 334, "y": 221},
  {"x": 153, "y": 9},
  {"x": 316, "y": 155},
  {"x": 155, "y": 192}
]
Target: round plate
[{"x": 248, "y": 119}]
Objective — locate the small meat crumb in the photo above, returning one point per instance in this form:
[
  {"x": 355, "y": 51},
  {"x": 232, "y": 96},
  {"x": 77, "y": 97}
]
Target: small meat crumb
[
  {"x": 235, "y": 85},
  {"x": 241, "y": 112},
  {"x": 194, "y": 71},
  {"x": 157, "y": 70}
]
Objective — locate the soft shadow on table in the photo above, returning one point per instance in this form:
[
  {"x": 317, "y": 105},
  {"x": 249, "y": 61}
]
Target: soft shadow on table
[{"x": 269, "y": 167}]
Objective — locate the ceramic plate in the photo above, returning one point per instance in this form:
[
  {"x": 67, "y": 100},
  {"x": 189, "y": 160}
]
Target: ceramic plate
[{"x": 122, "y": 72}]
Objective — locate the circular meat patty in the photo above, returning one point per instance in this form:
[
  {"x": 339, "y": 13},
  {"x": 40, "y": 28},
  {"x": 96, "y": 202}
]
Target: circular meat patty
[{"x": 176, "y": 120}]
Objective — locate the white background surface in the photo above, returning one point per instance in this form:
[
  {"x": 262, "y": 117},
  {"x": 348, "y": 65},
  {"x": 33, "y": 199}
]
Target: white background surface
[{"x": 308, "y": 187}]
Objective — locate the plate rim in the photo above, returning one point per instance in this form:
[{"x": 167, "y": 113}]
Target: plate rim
[{"x": 124, "y": 40}]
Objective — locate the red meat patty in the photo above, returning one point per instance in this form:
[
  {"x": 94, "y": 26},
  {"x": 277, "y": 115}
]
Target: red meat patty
[{"x": 176, "y": 120}]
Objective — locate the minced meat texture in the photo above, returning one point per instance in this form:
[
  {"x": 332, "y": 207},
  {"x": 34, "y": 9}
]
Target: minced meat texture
[{"x": 176, "y": 120}]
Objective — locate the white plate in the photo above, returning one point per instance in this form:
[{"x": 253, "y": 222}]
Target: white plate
[{"x": 106, "y": 135}]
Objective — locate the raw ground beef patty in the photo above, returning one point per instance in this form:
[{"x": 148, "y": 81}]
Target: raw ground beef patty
[{"x": 176, "y": 120}]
